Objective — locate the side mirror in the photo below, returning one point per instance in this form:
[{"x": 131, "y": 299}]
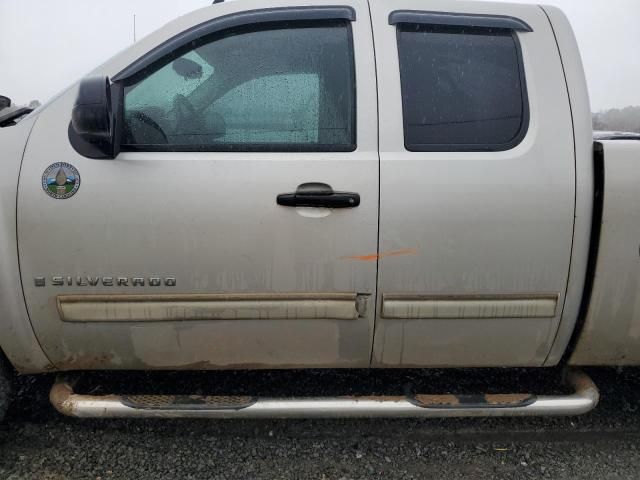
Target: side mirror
[
  {"x": 5, "y": 102},
  {"x": 92, "y": 124}
]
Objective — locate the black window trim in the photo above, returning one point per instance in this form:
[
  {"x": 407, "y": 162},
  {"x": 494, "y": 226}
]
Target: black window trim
[
  {"x": 240, "y": 148},
  {"x": 459, "y": 20},
  {"x": 469, "y": 147},
  {"x": 237, "y": 19}
]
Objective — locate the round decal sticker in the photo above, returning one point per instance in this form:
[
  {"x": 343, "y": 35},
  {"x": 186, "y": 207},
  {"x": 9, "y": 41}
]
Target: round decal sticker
[{"x": 61, "y": 180}]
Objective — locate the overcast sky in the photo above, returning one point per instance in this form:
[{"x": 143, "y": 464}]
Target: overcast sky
[{"x": 46, "y": 45}]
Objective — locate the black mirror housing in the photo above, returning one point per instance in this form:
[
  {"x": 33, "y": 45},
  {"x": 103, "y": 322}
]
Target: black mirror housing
[
  {"x": 92, "y": 127},
  {"x": 91, "y": 115},
  {"x": 5, "y": 102}
]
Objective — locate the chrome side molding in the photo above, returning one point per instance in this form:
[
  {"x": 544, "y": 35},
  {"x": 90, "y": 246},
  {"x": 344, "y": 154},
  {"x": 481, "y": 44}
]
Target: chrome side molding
[
  {"x": 185, "y": 307},
  {"x": 468, "y": 306},
  {"x": 584, "y": 398}
]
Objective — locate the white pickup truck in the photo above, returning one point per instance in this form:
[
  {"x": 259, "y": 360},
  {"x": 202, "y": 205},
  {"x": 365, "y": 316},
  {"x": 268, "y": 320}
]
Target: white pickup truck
[{"x": 322, "y": 184}]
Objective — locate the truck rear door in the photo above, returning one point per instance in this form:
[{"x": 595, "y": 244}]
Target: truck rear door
[
  {"x": 477, "y": 184},
  {"x": 206, "y": 243}
]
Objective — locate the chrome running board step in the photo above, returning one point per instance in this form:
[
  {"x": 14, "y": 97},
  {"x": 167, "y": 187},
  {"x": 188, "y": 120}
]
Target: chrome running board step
[{"x": 584, "y": 399}]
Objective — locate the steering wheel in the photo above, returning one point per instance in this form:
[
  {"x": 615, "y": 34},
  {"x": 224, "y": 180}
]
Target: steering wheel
[{"x": 147, "y": 120}]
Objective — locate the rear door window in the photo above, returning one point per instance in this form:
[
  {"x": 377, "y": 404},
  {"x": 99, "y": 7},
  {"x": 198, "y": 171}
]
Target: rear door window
[{"x": 463, "y": 88}]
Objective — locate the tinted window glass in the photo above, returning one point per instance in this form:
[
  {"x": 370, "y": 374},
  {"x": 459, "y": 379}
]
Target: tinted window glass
[
  {"x": 295, "y": 120},
  {"x": 279, "y": 89},
  {"x": 462, "y": 88}
]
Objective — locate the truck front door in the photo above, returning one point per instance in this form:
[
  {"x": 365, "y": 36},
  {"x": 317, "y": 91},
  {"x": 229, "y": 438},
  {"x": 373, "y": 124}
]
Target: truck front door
[{"x": 207, "y": 243}]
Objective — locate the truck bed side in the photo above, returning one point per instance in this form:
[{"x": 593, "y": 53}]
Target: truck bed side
[{"x": 611, "y": 331}]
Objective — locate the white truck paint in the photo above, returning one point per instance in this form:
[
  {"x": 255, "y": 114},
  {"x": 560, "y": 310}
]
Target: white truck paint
[
  {"x": 452, "y": 258},
  {"x": 611, "y": 332}
]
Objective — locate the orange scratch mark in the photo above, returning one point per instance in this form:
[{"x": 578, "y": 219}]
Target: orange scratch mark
[{"x": 375, "y": 256}]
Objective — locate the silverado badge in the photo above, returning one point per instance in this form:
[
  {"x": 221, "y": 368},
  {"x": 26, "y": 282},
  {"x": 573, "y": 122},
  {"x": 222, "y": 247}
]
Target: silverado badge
[{"x": 61, "y": 180}]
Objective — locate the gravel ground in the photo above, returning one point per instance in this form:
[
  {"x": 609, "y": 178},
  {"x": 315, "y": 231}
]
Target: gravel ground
[{"x": 37, "y": 443}]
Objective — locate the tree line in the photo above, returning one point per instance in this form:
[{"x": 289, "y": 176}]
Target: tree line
[{"x": 618, "y": 119}]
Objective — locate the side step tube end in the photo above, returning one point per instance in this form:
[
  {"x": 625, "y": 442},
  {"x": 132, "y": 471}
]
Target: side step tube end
[
  {"x": 585, "y": 389},
  {"x": 584, "y": 399}
]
